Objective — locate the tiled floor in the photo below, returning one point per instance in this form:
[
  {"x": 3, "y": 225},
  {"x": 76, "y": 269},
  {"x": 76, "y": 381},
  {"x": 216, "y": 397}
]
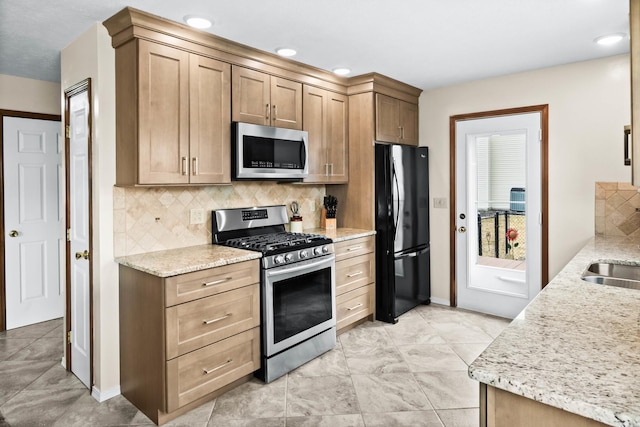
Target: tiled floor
[{"x": 413, "y": 374}]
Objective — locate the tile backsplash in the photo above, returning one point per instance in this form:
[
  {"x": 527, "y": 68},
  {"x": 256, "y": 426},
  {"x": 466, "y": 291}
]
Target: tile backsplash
[
  {"x": 617, "y": 209},
  {"x": 158, "y": 218}
]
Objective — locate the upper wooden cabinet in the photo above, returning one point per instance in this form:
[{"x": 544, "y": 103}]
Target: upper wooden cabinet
[
  {"x": 396, "y": 120},
  {"x": 634, "y": 27},
  {"x": 263, "y": 99},
  {"x": 326, "y": 118},
  {"x": 172, "y": 116}
]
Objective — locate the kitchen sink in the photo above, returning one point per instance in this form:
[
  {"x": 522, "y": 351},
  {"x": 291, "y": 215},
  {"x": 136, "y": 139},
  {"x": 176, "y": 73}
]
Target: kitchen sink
[{"x": 611, "y": 274}]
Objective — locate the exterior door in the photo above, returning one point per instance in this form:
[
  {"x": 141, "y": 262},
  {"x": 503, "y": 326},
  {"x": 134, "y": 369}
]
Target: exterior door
[
  {"x": 79, "y": 223},
  {"x": 34, "y": 244},
  {"x": 498, "y": 213}
]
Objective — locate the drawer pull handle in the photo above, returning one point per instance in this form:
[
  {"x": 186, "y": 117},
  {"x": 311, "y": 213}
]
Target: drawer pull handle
[
  {"x": 208, "y": 371},
  {"x": 357, "y": 273},
  {"x": 208, "y": 322},
  {"x": 354, "y": 307},
  {"x": 354, "y": 248},
  {"x": 217, "y": 282}
]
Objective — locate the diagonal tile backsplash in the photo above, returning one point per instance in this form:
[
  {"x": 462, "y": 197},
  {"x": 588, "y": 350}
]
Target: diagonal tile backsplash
[
  {"x": 158, "y": 218},
  {"x": 617, "y": 209}
]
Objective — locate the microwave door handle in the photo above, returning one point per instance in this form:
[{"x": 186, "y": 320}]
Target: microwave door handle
[{"x": 303, "y": 154}]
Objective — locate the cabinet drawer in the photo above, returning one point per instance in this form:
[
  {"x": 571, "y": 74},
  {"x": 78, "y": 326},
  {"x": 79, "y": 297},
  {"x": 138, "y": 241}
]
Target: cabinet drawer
[
  {"x": 204, "y": 321},
  {"x": 200, "y": 284},
  {"x": 350, "y": 248},
  {"x": 354, "y": 305},
  {"x": 203, "y": 371},
  {"x": 354, "y": 272}
]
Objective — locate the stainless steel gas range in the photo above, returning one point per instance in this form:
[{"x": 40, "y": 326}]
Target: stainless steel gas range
[{"x": 297, "y": 285}]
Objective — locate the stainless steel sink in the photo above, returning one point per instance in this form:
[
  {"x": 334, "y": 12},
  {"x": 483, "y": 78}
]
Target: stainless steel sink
[{"x": 611, "y": 274}]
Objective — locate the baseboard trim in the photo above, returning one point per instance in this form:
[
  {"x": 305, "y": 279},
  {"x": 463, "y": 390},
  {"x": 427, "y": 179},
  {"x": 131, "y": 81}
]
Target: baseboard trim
[
  {"x": 440, "y": 301},
  {"x": 102, "y": 396}
]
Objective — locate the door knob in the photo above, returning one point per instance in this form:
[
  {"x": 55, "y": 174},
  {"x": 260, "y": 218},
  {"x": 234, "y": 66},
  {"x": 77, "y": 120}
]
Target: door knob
[
  {"x": 13, "y": 233},
  {"x": 84, "y": 255},
  {"x": 462, "y": 229}
]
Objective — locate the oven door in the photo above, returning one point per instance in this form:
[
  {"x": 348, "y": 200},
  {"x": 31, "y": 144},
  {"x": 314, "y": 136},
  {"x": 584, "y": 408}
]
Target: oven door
[{"x": 299, "y": 302}]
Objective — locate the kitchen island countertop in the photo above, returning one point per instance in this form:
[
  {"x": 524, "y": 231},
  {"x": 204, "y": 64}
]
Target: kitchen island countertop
[
  {"x": 576, "y": 346},
  {"x": 341, "y": 234},
  {"x": 173, "y": 262}
]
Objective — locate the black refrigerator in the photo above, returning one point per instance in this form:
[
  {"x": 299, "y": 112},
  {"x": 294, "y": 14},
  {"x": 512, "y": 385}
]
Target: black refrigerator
[{"x": 402, "y": 230}]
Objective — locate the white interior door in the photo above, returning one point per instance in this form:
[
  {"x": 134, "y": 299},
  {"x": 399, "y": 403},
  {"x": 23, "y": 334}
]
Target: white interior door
[
  {"x": 80, "y": 263},
  {"x": 33, "y": 217},
  {"x": 498, "y": 218}
]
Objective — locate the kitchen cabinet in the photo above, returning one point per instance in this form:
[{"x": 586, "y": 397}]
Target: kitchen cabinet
[
  {"x": 264, "y": 99},
  {"x": 499, "y": 408},
  {"x": 355, "y": 281},
  {"x": 326, "y": 119},
  {"x": 396, "y": 120},
  {"x": 172, "y": 116},
  {"x": 634, "y": 29},
  {"x": 186, "y": 339}
]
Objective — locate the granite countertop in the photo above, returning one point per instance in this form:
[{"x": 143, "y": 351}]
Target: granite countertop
[
  {"x": 185, "y": 260},
  {"x": 576, "y": 346},
  {"x": 341, "y": 234}
]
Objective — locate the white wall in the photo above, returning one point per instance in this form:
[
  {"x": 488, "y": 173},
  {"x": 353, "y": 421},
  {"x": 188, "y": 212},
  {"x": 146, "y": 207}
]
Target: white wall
[
  {"x": 91, "y": 55},
  {"x": 589, "y": 104},
  {"x": 28, "y": 95}
]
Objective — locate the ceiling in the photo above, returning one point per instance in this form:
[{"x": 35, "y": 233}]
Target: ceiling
[{"x": 426, "y": 43}]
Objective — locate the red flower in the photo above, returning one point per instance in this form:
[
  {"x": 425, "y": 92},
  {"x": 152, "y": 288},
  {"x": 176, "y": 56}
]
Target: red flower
[{"x": 512, "y": 234}]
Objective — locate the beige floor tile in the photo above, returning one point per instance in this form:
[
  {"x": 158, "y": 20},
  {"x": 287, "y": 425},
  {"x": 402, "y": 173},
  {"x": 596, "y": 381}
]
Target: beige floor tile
[
  {"x": 450, "y": 390},
  {"x": 460, "y": 417},
  {"x": 333, "y": 395},
  {"x": 375, "y": 360},
  {"x": 389, "y": 393},
  {"x": 431, "y": 357},
  {"x": 403, "y": 419},
  {"x": 351, "y": 420}
]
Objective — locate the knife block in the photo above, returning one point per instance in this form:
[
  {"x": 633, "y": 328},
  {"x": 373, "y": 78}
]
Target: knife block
[{"x": 327, "y": 223}]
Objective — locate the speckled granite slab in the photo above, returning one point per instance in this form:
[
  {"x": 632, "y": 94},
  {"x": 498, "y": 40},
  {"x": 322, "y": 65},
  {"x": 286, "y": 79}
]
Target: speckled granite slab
[
  {"x": 185, "y": 260},
  {"x": 576, "y": 346},
  {"x": 341, "y": 234}
]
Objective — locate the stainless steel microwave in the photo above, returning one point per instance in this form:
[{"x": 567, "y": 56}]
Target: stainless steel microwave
[{"x": 265, "y": 152}]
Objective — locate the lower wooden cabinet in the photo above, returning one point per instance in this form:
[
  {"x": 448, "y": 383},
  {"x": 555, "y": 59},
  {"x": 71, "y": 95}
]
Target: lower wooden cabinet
[
  {"x": 188, "y": 338},
  {"x": 500, "y": 408},
  {"x": 355, "y": 281}
]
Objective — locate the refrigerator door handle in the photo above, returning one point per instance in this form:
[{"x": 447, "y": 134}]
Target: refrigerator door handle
[
  {"x": 396, "y": 211},
  {"x": 413, "y": 254}
]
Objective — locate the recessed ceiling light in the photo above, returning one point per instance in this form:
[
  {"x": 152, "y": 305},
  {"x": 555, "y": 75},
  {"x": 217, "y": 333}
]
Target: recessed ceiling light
[
  {"x": 285, "y": 51},
  {"x": 610, "y": 39},
  {"x": 341, "y": 71},
  {"x": 197, "y": 22}
]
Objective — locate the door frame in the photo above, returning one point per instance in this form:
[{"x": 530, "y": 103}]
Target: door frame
[
  {"x": 543, "y": 109},
  {"x": 83, "y": 86},
  {"x": 23, "y": 115}
]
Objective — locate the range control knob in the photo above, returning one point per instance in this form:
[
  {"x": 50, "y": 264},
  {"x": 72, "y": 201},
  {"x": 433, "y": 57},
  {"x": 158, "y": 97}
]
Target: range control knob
[
  {"x": 317, "y": 251},
  {"x": 278, "y": 259},
  {"x": 325, "y": 249},
  {"x": 304, "y": 254},
  {"x": 288, "y": 257}
]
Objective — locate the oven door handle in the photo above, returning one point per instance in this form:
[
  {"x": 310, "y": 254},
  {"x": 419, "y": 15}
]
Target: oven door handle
[{"x": 295, "y": 268}]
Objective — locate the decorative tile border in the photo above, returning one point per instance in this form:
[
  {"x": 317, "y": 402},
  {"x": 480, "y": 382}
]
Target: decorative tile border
[
  {"x": 617, "y": 210},
  {"x": 158, "y": 218}
]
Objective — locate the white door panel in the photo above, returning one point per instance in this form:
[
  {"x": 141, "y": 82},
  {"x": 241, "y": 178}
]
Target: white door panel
[
  {"x": 79, "y": 244},
  {"x": 32, "y": 160},
  {"x": 495, "y": 285}
]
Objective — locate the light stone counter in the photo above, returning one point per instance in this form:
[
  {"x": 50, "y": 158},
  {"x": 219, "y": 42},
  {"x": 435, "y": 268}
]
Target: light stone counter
[
  {"x": 185, "y": 260},
  {"x": 341, "y": 234},
  {"x": 576, "y": 346}
]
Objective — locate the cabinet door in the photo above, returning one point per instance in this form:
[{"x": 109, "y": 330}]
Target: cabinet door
[
  {"x": 408, "y": 123},
  {"x": 315, "y": 122},
  {"x": 387, "y": 123},
  {"x": 337, "y": 140},
  {"x": 250, "y": 96},
  {"x": 286, "y": 103},
  {"x": 163, "y": 109},
  {"x": 210, "y": 121}
]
